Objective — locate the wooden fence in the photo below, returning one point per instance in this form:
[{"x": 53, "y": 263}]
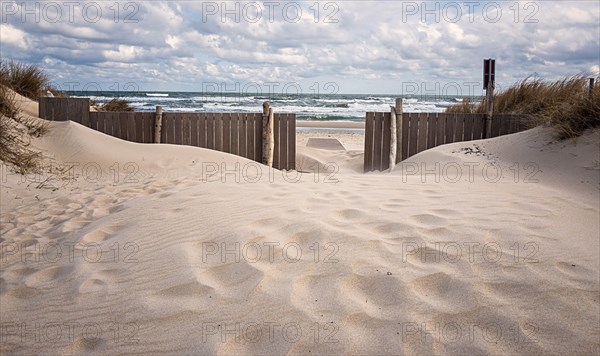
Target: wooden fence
[
  {"x": 236, "y": 133},
  {"x": 422, "y": 131}
]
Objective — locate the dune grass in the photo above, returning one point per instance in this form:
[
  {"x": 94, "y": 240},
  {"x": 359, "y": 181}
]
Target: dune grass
[
  {"x": 116, "y": 104},
  {"x": 16, "y": 130},
  {"x": 565, "y": 104},
  {"x": 15, "y": 137},
  {"x": 8, "y": 106},
  {"x": 28, "y": 80},
  {"x": 467, "y": 106}
]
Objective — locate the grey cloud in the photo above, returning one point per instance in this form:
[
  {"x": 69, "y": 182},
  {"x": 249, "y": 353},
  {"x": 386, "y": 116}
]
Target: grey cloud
[{"x": 171, "y": 45}]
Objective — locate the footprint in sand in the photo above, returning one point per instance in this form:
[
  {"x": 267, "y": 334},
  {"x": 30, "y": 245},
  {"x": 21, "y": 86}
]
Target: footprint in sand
[
  {"x": 92, "y": 285},
  {"x": 236, "y": 280},
  {"x": 268, "y": 222},
  {"x": 84, "y": 345},
  {"x": 394, "y": 228},
  {"x": 349, "y": 214},
  {"x": 428, "y": 220},
  {"x": 165, "y": 195},
  {"x": 20, "y": 273},
  {"x": 447, "y": 212},
  {"x": 192, "y": 289},
  {"x": 48, "y": 275},
  {"x": 22, "y": 292},
  {"x": 102, "y": 233},
  {"x": 444, "y": 292},
  {"x": 376, "y": 294}
]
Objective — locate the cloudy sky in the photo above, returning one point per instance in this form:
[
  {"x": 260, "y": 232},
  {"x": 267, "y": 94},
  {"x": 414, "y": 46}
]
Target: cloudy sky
[{"x": 370, "y": 47}]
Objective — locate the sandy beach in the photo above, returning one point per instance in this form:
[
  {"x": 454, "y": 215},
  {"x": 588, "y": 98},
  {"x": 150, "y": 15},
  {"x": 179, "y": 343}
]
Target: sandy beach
[{"x": 482, "y": 247}]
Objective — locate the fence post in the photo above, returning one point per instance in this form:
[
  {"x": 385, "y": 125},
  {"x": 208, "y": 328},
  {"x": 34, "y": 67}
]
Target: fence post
[
  {"x": 489, "y": 109},
  {"x": 268, "y": 119},
  {"x": 399, "y": 123},
  {"x": 158, "y": 124},
  {"x": 393, "y": 138},
  {"x": 591, "y": 90}
]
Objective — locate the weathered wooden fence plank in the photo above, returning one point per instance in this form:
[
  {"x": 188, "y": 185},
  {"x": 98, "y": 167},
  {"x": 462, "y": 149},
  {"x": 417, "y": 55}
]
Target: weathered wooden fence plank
[
  {"x": 193, "y": 120},
  {"x": 422, "y": 138},
  {"x": 116, "y": 128},
  {"x": 94, "y": 121},
  {"x": 459, "y": 127},
  {"x": 210, "y": 133},
  {"x": 369, "y": 149},
  {"x": 511, "y": 124},
  {"x": 440, "y": 138},
  {"x": 123, "y": 122},
  {"x": 235, "y": 133},
  {"x": 187, "y": 135},
  {"x": 108, "y": 124},
  {"x": 283, "y": 142},
  {"x": 258, "y": 144},
  {"x": 504, "y": 123},
  {"x": 378, "y": 142},
  {"x": 405, "y": 131},
  {"x": 60, "y": 112},
  {"x": 201, "y": 130},
  {"x": 139, "y": 127},
  {"x": 105, "y": 123},
  {"x": 243, "y": 134},
  {"x": 292, "y": 142},
  {"x": 168, "y": 129},
  {"x": 468, "y": 127},
  {"x": 251, "y": 133},
  {"x": 118, "y": 123},
  {"x": 83, "y": 109},
  {"x": 431, "y": 130},
  {"x": 386, "y": 119},
  {"x": 130, "y": 122},
  {"x": 495, "y": 126},
  {"x": 277, "y": 137},
  {"x": 478, "y": 127},
  {"x": 178, "y": 133},
  {"x": 180, "y": 129},
  {"x": 43, "y": 108},
  {"x": 148, "y": 127},
  {"x": 450, "y": 122},
  {"x": 413, "y": 132},
  {"x": 226, "y": 118},
  {"x": 218, "y": 125}
]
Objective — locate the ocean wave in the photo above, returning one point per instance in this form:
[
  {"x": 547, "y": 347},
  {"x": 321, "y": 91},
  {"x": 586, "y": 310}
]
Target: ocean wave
[{"x": 325, "y": 107}]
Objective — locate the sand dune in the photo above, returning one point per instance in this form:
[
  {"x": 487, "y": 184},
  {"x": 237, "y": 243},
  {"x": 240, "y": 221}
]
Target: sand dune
[{"x": 172, "y": 254}]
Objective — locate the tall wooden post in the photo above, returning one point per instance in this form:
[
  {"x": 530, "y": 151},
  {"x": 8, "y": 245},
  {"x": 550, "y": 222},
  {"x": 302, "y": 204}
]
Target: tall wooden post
[
  {"x": 591, "y": 90},
  {"x": 158, "y": 124},
  {"x": 489, "y": 79},
  {"x": 489, "y": 111},
  {"x": 393, "y": 138},
  {"x": 399, "y": 124},
  {"x": 268, "y": 121}
]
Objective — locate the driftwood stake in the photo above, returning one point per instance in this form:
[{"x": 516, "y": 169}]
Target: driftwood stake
[
  {"x": 591, "y": 92},
  {"x": 393, "y": 138},
  {"x": 268, "y": 134},
  {"x": 399, "y": 113},
  {"x": 158, "y": 124}
]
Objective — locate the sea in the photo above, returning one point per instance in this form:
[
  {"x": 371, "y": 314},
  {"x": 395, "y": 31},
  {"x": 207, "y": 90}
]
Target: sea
[{"x": 326, "y": 107}]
